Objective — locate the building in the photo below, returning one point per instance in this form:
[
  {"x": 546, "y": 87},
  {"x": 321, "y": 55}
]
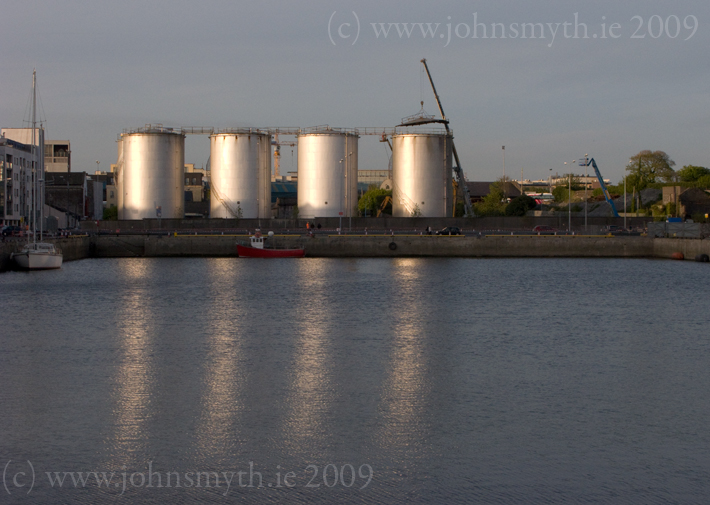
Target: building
[
  {"x": 57, "y": 156},
  {"x": 694, "y": 201},
  {"x": 77, "y": 195},
  {"x": 14, "y": 157},
  {"x": 590, "y": 181},
  {"x": 16, "y": 165},
  {"x": 194, "y": 189},
  {"x": 478, "y": 190},
  {"x": 373, "y": 177}
]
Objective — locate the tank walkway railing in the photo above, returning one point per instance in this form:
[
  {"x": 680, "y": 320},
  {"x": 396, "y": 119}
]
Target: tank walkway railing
[
  {"x": 218, "y": 196},
  {"x": 410, "y": 206},
  {"x": 285, "y": 130}
]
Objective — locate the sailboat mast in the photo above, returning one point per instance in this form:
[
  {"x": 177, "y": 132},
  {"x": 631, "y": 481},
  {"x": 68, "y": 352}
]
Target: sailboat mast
[{"x": 31, "y": 225}]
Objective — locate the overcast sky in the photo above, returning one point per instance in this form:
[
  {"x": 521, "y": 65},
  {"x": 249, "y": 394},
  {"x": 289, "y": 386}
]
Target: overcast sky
[{"x": 638, "y": 84}]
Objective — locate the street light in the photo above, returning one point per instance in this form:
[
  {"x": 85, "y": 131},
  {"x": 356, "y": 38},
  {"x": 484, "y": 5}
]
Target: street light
[
  {"x": 345, "y": 179},
  {"x": 505, "y": 192}
]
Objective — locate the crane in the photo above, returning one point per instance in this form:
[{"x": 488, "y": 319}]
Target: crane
[
  {"x": 593, "y": 163},
  {"x": 460, "y": 178},
  {"x": 277, "y": 152}
]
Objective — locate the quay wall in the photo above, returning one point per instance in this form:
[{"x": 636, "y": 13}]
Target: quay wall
[
  {"x": 527, "y": 223},
  {"x": 374, "y": 246}
]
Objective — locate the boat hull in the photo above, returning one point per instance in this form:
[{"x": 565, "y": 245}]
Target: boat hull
[
  {"x": 253, "y": 252},
  {"x": 38, "y": 261}
]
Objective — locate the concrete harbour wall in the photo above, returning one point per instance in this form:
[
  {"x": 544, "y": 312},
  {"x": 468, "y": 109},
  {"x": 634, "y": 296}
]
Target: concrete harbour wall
[{"x": 374, "y": 246}]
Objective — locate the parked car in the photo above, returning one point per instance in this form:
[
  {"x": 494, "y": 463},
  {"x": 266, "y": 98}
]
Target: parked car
[
  {"x": 541, "y": 228},
  {"x": 9, "y": 231},
  {"x": 449, "y": 230}
]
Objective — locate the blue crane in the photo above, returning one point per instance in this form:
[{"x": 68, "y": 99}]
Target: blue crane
[{"x": 601, "y": 183}]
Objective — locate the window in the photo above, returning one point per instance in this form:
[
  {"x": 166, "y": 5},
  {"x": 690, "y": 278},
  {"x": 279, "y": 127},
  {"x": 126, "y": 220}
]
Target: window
[
  {"x": 111, "y": 194},
  {"x": 187, "y": 180}
]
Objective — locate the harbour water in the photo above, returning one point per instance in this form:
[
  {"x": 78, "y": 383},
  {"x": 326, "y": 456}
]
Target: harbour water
[{"x": 356, "y": 380}]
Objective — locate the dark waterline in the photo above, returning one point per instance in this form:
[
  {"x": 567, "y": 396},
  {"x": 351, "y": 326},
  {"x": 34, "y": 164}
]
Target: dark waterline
[{"x": 455, "y": 380}]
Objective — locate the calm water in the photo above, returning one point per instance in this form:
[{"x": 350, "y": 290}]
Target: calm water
[{"x": 453, "y": 380}]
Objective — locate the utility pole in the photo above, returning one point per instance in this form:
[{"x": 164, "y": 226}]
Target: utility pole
[{"x": 505, "y": 186}]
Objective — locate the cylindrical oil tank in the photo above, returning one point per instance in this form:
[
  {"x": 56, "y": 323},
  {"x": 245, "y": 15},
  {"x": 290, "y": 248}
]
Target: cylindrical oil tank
[
  {"x": 327, "y": 174},
  {"x": 421, "y": 173},
  {"x": 152, "y": 179},
  {"x": 118, "y": 178},
  {"x": 240, "y": 175}
]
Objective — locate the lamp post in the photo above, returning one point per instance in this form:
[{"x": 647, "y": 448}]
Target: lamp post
[
  {"x": 505, "y": 192},
  {"x": 350, "y": 203},
  {"x": 345, "y": 179},
  {"x": 586, "y": 185}
]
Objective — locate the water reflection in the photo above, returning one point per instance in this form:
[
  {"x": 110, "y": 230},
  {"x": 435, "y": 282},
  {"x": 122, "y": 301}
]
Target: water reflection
[
  {"x": 132, "y": 391},
  {"x": 222, "y": 400},
  {"x": 405, "y": 388},
  {"x": 310, "y": 389}
]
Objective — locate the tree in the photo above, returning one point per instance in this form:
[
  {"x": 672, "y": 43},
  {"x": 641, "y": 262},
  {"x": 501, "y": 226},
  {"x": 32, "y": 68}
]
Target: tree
[
  {"x": 561, "y": 193},
  {"x": 493, "y": 203},
  {"x": 111, "y": 213},
  {"x": 648, "y": 167},
  {"x": 520, "y": 206},
  {"x": 372, "y": 200},
  {"x": 691, "y": 173}
]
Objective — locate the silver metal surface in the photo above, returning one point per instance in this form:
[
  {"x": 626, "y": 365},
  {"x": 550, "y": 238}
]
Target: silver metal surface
[
  {"x": 152, "y": 175},
  {"x": 421, "y": 172},
  {"x": 118, "y": 178},
  {"x": 240, "y": 178},
  {"x": 327, "y": 174}
]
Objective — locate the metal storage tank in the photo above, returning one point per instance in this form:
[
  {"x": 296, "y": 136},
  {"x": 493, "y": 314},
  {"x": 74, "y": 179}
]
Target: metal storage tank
[
  {"x": 327, "y": 174},
  {"x": 240, "y": 175},
  {"x": 118, "y": 179},
  {"x": 152, "y": 176},
  {"x": 421, "y": 173}
]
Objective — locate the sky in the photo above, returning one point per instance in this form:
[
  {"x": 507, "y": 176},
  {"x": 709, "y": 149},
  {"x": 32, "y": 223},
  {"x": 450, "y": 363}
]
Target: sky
[{"x": 639, "y": 80}]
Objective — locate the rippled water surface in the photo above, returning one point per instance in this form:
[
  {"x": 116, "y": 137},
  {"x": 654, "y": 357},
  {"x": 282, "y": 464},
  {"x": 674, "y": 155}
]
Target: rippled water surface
[{"x": 371, "y": 380}]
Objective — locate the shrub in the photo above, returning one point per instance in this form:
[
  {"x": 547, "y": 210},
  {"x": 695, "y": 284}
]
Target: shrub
[{"x": 520, "y": 206}]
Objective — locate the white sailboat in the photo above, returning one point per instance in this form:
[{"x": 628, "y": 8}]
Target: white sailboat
[{"x": 37, "y": 255}]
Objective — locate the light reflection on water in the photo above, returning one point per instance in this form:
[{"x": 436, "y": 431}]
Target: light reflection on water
[
  {"x": 309, "y": 394},
  {"x": 218, "y": 424},
  {"x": 458, "y": 381},
  {"x": 404, "y": 396},
  {"x": 132, "y": 385}
]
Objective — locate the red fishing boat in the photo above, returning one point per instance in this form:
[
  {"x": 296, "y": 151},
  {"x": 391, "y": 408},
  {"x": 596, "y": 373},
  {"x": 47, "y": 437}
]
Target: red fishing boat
[{"x": 257, "y": 249}]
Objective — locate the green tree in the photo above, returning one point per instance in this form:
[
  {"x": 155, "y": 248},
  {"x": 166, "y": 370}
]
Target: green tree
[
  {"x": 111, "y": 213},
  {"x": 691, "y": 173},
  {"x": 561, "y": 193},
  {"x": 520, "y": 206},
  {"x": 648, "y": 167},
  {"x": 576, "y": 182},
  {"x": 493, "y": 203},
  {"x": 372, "y": 199},
  {"x": 703, "y": 182}
]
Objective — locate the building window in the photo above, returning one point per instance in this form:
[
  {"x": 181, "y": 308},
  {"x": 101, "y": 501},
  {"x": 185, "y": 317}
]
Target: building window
[
  {"x": 187, "y": 180},
  {"x": 111, "y": 194}
]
